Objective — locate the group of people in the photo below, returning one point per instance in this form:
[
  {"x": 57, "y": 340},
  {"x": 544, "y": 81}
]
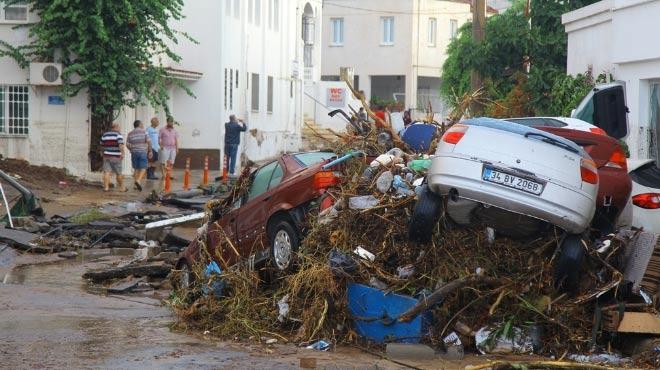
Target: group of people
[
  {"x": 154, "y": 148},
  {"x": 150, "y": 149}
]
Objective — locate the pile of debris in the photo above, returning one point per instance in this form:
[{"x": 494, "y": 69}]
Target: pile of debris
[{"x": 358, "y": 277}]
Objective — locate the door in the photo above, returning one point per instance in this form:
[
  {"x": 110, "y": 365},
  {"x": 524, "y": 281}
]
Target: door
[
  {"x": 654, "y": 125},
  {"x": 605, "y": 107},
  {"x": 253, "y": 215}
]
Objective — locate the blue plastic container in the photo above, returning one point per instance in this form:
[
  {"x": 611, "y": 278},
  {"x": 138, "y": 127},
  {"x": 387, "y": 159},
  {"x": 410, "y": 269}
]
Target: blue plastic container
[
  {"x": 419, "y": 136},
  {"x": 374, "y": 314}
]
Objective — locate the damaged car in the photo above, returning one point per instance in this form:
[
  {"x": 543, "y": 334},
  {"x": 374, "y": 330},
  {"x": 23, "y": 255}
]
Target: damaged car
[
  {"x": 264, "y": 221},
  {"x": 513, "y": 178}
]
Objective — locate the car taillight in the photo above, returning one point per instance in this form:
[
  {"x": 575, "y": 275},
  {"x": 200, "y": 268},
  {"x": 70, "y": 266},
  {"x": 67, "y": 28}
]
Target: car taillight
[
  {"x": 454, "y": 134},
  {"x": 588, "y": 171},
  {"x": 647, "y": 200},
  {"x": 598, "y": 130},
  {"x": 325, "y": 179},
  {"x": 618, "y": 159}
]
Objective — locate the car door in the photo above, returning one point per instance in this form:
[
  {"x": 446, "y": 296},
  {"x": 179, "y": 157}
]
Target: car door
[
  {"x": 252, "y": 216},
  {"x": 605, "y": 107}
]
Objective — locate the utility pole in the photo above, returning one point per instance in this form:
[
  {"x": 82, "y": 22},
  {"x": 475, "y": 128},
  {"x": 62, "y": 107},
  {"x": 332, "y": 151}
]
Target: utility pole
[{"x": 478, "y": 32}]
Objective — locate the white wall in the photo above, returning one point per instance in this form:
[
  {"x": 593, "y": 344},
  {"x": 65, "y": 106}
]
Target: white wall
[
  {"x": 619, "y": 37},
  {"x": 409, "y": 56},
  {"x": 316, "y": 104}
]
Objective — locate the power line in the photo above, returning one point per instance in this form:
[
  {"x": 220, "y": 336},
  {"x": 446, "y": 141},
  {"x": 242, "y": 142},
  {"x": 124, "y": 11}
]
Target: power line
[{"x": 381, "y": 11}]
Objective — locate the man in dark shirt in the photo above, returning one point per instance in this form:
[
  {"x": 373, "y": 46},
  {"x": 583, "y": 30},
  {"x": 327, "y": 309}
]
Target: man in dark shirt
[{"x": 233, "y": 130}]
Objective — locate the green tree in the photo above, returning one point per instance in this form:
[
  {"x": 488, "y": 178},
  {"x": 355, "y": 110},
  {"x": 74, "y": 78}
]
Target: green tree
[
  {"x": 511, "y": 38},
  {"x": 113, "y": 50}
]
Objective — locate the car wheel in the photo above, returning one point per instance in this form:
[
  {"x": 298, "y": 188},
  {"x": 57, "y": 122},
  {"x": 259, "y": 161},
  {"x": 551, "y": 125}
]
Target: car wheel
[
  {"x": 426, "y": 215},
  {"x": 567, "y": 265},
  {"x": 284, "y": 242},
  {"x": 184, "y": 277}
]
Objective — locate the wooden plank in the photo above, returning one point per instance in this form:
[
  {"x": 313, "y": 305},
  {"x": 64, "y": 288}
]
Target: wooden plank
[{"x": 640, "y": 322}]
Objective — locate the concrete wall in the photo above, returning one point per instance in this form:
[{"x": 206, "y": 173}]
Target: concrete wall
[{"x": 618, "y": 36}]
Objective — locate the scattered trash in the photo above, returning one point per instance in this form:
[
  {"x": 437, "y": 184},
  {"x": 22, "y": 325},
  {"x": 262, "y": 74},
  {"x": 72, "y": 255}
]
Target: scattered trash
[
  {"x": 360, "y": 251},
  {"x": 215, "y": 283},
  {"x": 283, "y": 307},
  {"x": 405, "y": 272},
  {"x": 502, "y": 342},
  {"x": 384, "y": 182},
  {"x": 321, "y": 345},
  {"x": 363, "y": 202},
  {"x": 341, "y": 263},
  {"x": 600, "y": 358}
]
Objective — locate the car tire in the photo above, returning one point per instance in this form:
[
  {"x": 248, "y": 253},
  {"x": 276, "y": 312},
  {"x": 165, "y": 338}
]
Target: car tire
[
  {"x": 184, "y": 277},
  {"x": 284, "y": 242},
  {"x": 426, "y": 215},
  {"x": 568, "y": 264}
]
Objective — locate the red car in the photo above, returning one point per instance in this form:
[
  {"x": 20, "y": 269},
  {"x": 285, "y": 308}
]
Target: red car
[
  {"x": 266, "y": 222},
  {"x": 614, "y": 182}
]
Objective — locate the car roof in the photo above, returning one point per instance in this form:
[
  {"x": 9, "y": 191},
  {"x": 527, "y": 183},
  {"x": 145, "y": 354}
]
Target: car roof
[{"x": 499, "y": 124}]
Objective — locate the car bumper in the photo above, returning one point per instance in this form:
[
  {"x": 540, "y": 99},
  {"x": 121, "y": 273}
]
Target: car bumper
[{"x": 569, "y": 209}]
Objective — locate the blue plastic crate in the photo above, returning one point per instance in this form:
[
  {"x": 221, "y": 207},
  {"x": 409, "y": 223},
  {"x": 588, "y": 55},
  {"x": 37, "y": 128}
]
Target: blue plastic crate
[{"x": 374, "y": 314}]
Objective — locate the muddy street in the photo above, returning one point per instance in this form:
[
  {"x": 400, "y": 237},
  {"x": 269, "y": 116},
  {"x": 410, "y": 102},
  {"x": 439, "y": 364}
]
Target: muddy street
[{"x": 51, "y": 318}]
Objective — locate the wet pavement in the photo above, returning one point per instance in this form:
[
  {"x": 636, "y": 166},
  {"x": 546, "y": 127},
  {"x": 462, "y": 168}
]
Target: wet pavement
[{"x": 51, "y": 318}]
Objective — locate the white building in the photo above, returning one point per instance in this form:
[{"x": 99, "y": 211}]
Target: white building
[
  {"x": 617, "y": 37},
  {"x": 250, "y": 59},
  {"x": 396, "y": 47}
]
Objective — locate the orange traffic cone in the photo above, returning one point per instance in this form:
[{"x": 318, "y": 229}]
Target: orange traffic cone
[
  {"x": 225, "y": 168},
  {"x": 168, "y": 174},
  {"x": 205, "y": 178},
  {"x": 186, "y": 175}
]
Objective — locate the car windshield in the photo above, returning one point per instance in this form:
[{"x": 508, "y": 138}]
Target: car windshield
[{"x": 312, "y": 158}]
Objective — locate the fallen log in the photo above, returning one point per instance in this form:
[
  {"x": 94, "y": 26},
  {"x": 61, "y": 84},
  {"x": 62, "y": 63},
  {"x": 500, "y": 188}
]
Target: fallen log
[
  {"x": 540, "y": 365},
  {"x": 159, "y": 270},
  {"x": 440, "y": 293}
]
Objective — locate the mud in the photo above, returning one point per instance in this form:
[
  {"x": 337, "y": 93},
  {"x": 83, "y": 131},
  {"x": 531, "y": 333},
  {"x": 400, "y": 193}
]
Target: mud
[{"x": 51, "y": 318}]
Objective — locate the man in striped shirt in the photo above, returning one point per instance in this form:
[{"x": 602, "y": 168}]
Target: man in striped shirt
[
  {"x": 139, "y": 145},
  {"x": 113, "y": 154}
]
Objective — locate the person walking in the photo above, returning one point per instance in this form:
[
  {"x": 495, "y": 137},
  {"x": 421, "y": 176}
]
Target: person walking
[
  {"x": 139, "y": 145},
  {"x": 152, "y": 131},
  {"x": 233, "y": 130},
  {"x": 168, "y": 140},
  {"x": 113, "y": 153}
]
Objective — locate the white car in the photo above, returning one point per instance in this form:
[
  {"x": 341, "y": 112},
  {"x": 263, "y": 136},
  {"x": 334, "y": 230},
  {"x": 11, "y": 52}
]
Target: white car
[
  {"x": 561, "y": 122},
  {"x": 645, "y": 195},
  {"x": 510, "y": 173}
]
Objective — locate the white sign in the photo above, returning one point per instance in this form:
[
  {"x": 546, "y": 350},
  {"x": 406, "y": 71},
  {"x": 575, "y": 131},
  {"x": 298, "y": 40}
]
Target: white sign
[{"x": 336, "y": 97}]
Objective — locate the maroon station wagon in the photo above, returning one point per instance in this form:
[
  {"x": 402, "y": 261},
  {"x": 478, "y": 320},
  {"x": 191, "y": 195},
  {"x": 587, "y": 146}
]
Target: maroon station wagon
[{"x": 267, "y": 222}]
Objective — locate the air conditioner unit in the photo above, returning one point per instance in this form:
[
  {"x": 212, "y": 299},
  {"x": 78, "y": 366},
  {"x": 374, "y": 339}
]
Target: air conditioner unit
[{"x": 46, "y": 74}]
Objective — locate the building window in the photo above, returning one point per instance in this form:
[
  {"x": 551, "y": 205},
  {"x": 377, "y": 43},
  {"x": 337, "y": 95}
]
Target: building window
[
  {"x": 453, "y": 28},
  {"x": 237, "y": 9},
  {"x": 257, "y": 12},
  {"x": 250, "y": 6},
  {"x": 337, "y": 31},
  {"x": 15, "y": 13},
  {"x": 269, "y": 105},
  {"x": 225, "y": 88},
  {"x": 237, "y": 78},
  {"x": 433, "y": 30},
  {"x": 231, "y": 89},
  {"x": 255, "y": 92},
  {"x": 14, "y": 113},
  {"x": 276, "y": 14},
  {"x": 387, "y": 24}
]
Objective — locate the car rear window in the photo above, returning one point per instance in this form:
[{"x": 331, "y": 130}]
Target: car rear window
[
  {"x": 538, "y": 121},
  {"x": 312, "y": 158},
  {"x": 647, "y": 175}
]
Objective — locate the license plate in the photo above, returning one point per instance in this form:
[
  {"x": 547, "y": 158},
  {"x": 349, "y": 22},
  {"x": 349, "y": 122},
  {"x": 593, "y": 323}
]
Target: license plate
[{"x": 512, "y": 181}]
